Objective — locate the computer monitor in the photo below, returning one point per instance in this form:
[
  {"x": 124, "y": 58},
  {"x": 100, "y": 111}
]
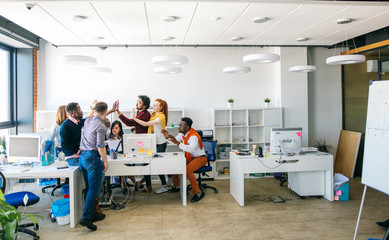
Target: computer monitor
[
  {"x": 143, "y": 144},
  {"x": 285, "y": 140},
  {"x": 23, "y": 148}
]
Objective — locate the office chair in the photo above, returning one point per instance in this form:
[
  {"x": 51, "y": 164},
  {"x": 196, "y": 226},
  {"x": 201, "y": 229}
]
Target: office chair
[
  {"x": 209, "y": 148},
  {"x": 16, "y": 200}
]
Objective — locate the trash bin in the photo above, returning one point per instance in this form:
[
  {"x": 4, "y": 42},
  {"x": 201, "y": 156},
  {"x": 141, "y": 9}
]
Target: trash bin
[
  {"x": 341, "y": 187},
  {"x": 61, "y": 210},
  {"x": 65, "y": 190}
]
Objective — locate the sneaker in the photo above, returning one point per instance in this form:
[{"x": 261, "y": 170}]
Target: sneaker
[
  {"x": 146, "y": 190},
  {"x": 169, "y": 181},
  {"x": 97, "y": 217},
  {"x": 162, "y": 189},
  {"x": 174, "y": 189},
  {"x": 88, "y": 223}
]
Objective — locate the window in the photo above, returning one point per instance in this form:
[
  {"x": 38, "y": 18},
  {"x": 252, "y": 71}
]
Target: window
[{"x": 6, "y": 87}]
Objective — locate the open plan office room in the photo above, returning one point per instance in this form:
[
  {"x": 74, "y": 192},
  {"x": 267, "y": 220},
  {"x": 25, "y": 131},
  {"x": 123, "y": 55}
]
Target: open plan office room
[{"x": 57, "y": 52}]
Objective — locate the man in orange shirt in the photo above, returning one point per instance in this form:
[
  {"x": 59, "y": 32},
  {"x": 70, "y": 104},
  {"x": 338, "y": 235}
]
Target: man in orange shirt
[{"x": 190, "y": 142}]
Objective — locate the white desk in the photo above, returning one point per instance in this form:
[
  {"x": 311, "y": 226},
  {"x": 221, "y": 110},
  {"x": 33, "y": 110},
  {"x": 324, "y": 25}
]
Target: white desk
[
  {"x": 306, "y": 164},
  {"x": 170, "y": 163},
  {"x": 76, "y": 183}
]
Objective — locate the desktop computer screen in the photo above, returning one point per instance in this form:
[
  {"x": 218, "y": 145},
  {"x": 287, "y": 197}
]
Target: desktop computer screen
[
  {"x": 144, "y": 144},
  {"x": 23, "y": 148},
  {"x": 285, "y": 140}
]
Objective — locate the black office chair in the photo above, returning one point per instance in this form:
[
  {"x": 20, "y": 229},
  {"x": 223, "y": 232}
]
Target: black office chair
[
  {"x": 16, "y": 200},
  {"x": 209, "y": 148}
]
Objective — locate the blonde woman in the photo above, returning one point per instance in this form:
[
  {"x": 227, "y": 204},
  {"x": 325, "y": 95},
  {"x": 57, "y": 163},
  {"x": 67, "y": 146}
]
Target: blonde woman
[{"x": 156, "y": 124}]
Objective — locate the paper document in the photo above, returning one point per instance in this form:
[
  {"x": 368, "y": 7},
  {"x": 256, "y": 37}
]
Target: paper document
[
  {"x": 339, "y": 180},
  {"x": 113, "y": 144}
]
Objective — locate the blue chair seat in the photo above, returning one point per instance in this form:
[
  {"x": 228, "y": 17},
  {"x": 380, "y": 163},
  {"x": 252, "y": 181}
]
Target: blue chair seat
[
  {"x": 16, "y": 199},
  {"x": 204, "y": 169}
]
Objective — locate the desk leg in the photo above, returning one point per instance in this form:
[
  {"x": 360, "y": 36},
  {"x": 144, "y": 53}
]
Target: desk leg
[
  {"x": 76, "y": 185},
  {"x": 237, "y": 180},
  {"x": 183, "y": 188},
  {"x": 329, "y": 185}
]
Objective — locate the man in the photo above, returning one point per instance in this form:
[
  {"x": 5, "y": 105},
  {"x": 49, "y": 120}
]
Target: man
[
  {"x": 142, "y": 105},
  {"x": 92, "y": 168},
  {"x": 70, "y": 133},
  {"x": 190, "y": 142}
]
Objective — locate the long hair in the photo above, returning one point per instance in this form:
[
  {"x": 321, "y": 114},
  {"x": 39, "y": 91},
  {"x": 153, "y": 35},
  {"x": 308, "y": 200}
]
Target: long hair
[
  {"x": 61, "y": 115},
  {"x": 120, "y": 126},
  {"x": 164, "y": 108}
]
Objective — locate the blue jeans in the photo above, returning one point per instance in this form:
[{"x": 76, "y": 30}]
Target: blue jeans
[
  {"x": 92, "y": 169},
  {"x": 73, "y": 161}
]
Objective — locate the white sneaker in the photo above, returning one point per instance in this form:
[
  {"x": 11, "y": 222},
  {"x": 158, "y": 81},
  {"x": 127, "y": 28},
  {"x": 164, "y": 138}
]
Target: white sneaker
[
  {"x": 169, "y": 182},
  {"x": 162, "y": 189}
]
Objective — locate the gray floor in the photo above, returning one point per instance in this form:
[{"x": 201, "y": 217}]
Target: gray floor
[{"x": 218, "y": 216}]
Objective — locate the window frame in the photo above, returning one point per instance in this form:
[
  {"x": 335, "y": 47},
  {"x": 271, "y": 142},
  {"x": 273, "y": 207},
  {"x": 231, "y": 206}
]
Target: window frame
[{"x": 12, "y": 86}]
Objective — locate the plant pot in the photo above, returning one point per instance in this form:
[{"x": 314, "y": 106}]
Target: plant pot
[
  {"x": 267, "y": 104},
  {"x": 230, "y": 104}
]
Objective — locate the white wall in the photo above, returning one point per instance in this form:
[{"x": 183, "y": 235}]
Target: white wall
[
  {"x": 201, "y": 86},
  {"x": 325, "y": 98}
]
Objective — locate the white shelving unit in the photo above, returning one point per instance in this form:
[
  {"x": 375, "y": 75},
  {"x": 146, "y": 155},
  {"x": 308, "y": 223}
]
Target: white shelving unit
[
  {"x": 241, "y": 128},
  {"x": 46, "y": 119}
]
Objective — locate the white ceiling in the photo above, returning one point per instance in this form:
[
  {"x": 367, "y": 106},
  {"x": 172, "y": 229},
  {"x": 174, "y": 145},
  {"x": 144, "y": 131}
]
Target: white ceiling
[{"x": 140, "y": 22}]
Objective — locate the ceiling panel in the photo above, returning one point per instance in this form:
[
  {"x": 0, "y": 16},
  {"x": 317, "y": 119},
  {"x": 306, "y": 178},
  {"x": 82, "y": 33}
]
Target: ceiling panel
[
  {"x": 126, "y": 20},
  {"x": 204, "y": 29},
  {"x": 92, "y": 30},
  {"x": 178, "y": 29},
  {"x": 38, "y": 22}
]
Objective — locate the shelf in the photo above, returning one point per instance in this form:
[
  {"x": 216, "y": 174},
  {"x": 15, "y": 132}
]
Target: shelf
[
  {"x": 256, "y": 126},
  {"x": 222, "y": 160},
  {"x": 236, "y": 126},
  {"x": 222, "y": 126}
]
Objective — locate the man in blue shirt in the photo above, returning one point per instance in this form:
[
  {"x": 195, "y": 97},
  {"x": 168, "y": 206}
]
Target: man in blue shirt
[{"x": 91, "y": 166}]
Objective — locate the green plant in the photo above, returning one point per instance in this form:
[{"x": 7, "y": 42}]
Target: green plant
[
  {"x": 230, "y": 100},
  {"x": 10, "y": 218},
  {"x": 322, "y": 146},
  {"x": 267, "y": 100}
]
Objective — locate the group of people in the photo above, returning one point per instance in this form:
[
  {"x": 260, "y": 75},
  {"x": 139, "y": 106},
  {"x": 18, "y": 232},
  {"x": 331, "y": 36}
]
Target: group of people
[{"x": 89, "y": 153}]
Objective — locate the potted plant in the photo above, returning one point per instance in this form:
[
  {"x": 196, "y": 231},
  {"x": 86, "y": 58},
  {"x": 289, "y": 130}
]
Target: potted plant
[
  {"x": 267, "y": 102},
  {"x": 10, "y": 218},
  {"x": 322, "y": 146},
  {"x": 230, "y": 102}
]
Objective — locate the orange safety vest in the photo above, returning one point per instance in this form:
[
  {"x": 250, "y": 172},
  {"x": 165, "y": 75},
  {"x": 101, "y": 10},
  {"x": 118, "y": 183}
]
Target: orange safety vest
[{"x": 191, "y": 133}]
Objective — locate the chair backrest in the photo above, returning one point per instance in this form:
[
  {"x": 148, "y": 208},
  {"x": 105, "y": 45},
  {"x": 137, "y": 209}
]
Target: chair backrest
[
  {"x": 210, "y": 149},
  {"x": 2, "y": 182}
]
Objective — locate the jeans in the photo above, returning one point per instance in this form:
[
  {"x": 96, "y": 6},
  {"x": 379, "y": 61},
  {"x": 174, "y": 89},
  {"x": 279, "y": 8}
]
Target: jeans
[
  {"x": 160, "y": 148},
  {"x": 92, "y": 169},
  {"x": 73, "y": 161}
]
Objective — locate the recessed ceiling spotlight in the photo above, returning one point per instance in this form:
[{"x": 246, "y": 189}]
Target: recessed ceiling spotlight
[
  {"x": 167, "y": 38},
  {"x": 302, "y": 39},
  {"x": 215, "y": 18},
  {"x": 170, "y": 18},
  {"x": 260, "y": 19},
  {"x": 235, "y": 39},
  {"x": 344, "y": 21},
  {"x": 79, "y": 18},
  {"x": 102, "y": 47}
]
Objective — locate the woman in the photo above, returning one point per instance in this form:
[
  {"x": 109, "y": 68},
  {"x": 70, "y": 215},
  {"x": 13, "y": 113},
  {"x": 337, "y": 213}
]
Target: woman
[
  {"x": 157, "y": 123},
  {"x": 117, "y": 134},
  {"x": 60, "y": 117}
]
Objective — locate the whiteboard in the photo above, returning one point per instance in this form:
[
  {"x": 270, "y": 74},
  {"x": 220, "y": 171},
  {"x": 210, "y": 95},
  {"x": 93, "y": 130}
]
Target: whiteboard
[{"x": 375, "y": 171}]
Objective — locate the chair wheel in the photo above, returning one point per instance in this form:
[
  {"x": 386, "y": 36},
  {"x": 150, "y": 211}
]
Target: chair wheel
[
  {"x": 43, "y": 190},
  {"x": 36, "y": 238},
  {"x": 36, "y": 228},
  {"x": 216, "y": 191}
]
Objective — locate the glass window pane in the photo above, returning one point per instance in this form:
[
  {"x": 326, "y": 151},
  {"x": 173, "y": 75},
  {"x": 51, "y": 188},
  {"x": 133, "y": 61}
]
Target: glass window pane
[{"x": 4, "y": 86}]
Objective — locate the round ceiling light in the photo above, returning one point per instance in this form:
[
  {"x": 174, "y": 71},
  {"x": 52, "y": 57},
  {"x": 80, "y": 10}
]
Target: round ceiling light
[
  {"x": 79, "y": 60},
  {"x": 101, "y": 70},
  {"x": 303, "y": 68},
  {"x": 170, "y": 60},
  {"x": 261, "y": 58},
  {"x": 168, "y": 70},
  {"x": 345, "y": 59},
  {"x": 237, "y": 69}
]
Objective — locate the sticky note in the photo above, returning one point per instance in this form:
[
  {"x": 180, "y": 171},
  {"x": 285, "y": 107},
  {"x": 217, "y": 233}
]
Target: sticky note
[
  {"x": 339, "y": 193},
  {"x": 139, "y": 144},
  {"x": 336, "y": 198},
  {"x": 299, "y": 134},
  {"x": 141, "y": 150},
  {"x": 149, "y": 152}
]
